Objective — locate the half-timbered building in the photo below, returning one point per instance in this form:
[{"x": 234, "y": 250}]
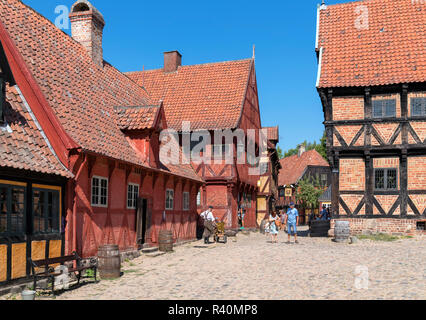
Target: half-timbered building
[
  {"x": 372, "y": 84},
  {"x": 267, "y": 196},
  {"x": 308, "y": 165},
  {"x": 80, "y": 163},
  {"x": 213, "y": 97}
]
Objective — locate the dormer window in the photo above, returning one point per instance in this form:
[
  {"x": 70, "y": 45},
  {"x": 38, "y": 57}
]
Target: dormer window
[{"x": 384, "y": 108}]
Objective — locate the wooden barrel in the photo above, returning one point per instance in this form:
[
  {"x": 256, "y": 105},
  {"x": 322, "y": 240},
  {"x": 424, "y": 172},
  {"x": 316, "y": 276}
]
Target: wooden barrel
[
  {"x": 319, "y": 228},
  {"x": 109, "y": 262},
  {"x": 342, "y": 231},
  {"x": 165, "y": 241}
]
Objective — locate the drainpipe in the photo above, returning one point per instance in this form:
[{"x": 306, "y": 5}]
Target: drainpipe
[{"x": 74, "y": 210}]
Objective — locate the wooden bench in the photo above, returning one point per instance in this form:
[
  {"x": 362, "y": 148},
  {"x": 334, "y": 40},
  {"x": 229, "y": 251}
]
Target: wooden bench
[{"x": 49, "y": 272}]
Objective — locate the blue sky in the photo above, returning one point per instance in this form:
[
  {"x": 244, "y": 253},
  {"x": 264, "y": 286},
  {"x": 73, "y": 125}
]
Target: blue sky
[{"x": 138, "y": 32}]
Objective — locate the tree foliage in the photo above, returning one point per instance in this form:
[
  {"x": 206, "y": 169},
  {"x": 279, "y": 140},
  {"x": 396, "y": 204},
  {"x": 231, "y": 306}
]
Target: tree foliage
[
  {"x": 320, "y": 147},
  {"x": 309, "y": 191}
]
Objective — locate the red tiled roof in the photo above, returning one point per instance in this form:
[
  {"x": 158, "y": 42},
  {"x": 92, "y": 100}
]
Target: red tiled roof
[
  {"x": 294, "y": 166},
  {"x": 273, "y": 133},
  {"x": 391, "y": 50},
  {"x": 209, "y": 95},
  {"x": 22, "y": 145},
  {"x": 82, "y": 95},
  {"x": 136, "y": 118}
]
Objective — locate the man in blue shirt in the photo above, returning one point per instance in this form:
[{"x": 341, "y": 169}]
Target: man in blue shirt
[{"x": 292, "y": 220}]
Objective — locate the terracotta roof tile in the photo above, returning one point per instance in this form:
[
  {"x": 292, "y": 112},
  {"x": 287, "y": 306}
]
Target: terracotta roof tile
[
  {"x": 391, "y": 50},
  {"x": 136, "y": 118},
  {"x": 273, "y": 133},
  {"x": 22, "y": 145},
  {"x": 294, "y": 166},
  {"x": 82, "y": 95},
  {"x": 209, "y": 95}
]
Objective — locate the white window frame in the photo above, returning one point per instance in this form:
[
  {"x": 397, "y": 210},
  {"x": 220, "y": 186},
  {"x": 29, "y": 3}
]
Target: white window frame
[
  {"x": 99, "y": 194},
  {"x": 135, "y": 201},
  {"x": 185, "y": 204},
  {"x": 170, "y": 208}
]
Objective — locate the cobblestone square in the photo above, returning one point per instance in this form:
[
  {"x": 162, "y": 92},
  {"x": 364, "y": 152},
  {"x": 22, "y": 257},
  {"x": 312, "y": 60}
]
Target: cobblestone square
[{"x": 249, "y": 267}]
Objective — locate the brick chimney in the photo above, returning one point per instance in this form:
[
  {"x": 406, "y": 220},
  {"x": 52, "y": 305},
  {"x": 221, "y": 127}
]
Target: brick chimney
[
  {"x": 87, "y": 25},
  {"x": 172, "y": 61}
]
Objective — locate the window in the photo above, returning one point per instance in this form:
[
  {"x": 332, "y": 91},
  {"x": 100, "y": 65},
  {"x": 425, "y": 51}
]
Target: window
[
  {"x": 384, "y": 108},
  {"x": 46, "y": 210},
  {"x": 385, "y": 179},
  {"x": 132, "y": 195},
  {"x": 418, "y": 107},
  {"x": 99, "y": 192},
  {"x": 169, "y": 199},
  {"x": 282, "y": 193},
  {"x": 324, "y": 179},
  {"x": 199, "y": 198},
  {"x": 186, "y": 201},
  {"x": 12, "y": 209}
]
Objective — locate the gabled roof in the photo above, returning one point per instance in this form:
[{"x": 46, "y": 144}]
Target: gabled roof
[
  {"x": 22, "y": 143},
  {"x": 137, "y": 118},
  {"x": 273, "y": 133},
  {"x": 210, "y": 95},
  {"x": 374, "y": 42},
  {"x": 81, "y": 94},
  {"x": 294, "y": 167}
]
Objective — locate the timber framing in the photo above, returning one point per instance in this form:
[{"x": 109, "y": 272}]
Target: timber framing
[{"x": 398, "y": 145}]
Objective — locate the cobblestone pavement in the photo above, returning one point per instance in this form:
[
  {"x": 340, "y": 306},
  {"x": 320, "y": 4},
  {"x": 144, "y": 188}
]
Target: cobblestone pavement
[{"x": 253, "y": 268}]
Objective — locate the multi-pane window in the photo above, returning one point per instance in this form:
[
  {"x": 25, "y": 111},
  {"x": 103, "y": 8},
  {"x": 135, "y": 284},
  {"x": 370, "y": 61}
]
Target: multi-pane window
[
  {"x": 384, "y": 108},
  {"x": 386, "y": 179},
  {"x": 418, "y": 107},
  {"x": 46, "y": 211},
  {"x": 169, "y": 199},
  {"x": 132, "y": 196},
  {"x": 99, "y": 192},
  {"x": 12, "y": 209},
  {"x": 221, "y": 151},
  {"x": 186, "y": 201}
]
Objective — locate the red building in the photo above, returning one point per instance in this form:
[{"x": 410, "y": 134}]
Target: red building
[
  {"x": 212, "y": 96},
  {"x": 103, "y": 129}
]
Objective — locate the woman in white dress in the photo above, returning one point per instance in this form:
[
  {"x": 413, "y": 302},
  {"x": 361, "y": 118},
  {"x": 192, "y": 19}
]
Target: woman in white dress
[{"x": 273, "y": 228}]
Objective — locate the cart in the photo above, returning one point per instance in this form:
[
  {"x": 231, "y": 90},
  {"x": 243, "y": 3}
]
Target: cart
[{"x": 219, "y": 234}]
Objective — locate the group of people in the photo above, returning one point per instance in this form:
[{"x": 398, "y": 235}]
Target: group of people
[{"x": 287, "y": 221}]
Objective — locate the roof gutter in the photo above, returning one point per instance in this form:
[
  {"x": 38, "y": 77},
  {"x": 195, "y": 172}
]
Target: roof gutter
[{"x": 319, "y": 67}]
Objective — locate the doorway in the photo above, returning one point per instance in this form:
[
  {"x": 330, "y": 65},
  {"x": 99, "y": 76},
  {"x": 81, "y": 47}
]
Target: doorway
[{"x": 142, "y": 221}]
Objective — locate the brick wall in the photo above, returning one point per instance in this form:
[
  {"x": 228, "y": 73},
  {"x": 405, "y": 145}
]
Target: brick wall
[
  {"x": 389, "y": 226},
  {"x": 352, "y": 174},
  {"x": 348, "y": 133},
  {"x": 416, "y": 173},
  {"x": 420, "y": 129},
  {"x": 348, "y": 108}
]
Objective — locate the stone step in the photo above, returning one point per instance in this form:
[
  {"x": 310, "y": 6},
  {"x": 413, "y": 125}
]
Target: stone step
[
  {"x": 149, "y": 250},
  {"x": 154, "y": 254}
]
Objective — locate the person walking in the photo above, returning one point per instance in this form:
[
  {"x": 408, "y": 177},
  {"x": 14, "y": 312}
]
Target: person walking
[
  {"x": 292, "y": 220},
  {"x": 273, "y": 227},
  {"x": 209, "y": 221}
]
